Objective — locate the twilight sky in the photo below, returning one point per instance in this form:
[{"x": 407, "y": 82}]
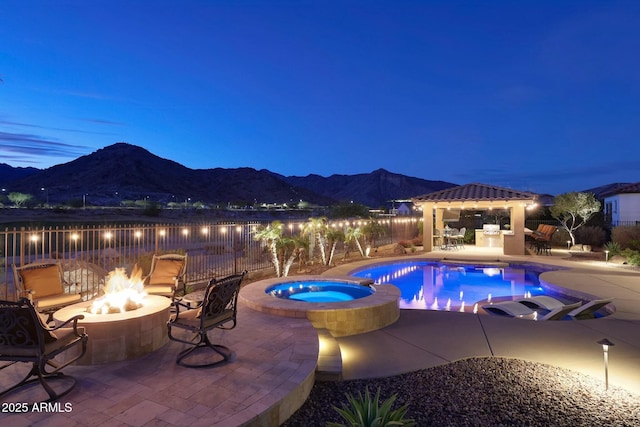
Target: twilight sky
[{"x": 534, "y": 95}]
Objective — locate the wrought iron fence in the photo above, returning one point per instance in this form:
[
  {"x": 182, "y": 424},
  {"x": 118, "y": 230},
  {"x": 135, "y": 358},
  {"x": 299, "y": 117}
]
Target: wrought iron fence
[{"x": 89, "y": 253}]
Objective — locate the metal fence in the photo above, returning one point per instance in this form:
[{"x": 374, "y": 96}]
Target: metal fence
[{"x": 89, "y": 253}]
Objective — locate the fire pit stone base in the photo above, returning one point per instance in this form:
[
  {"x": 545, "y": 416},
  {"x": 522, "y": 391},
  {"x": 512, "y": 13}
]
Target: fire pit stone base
[{"x": 121, "y": 336}]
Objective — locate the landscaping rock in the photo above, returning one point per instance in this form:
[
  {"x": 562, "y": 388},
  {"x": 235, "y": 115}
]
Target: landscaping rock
[{"x": 485, "y": 392}]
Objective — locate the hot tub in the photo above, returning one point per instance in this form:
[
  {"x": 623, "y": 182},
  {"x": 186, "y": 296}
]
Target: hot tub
[{"x": 352, "y": 316}]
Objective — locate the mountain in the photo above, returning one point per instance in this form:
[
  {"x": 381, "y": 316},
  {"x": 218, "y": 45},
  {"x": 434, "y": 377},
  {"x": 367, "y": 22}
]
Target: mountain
[
  {"x": 9, "y": 173},
  {"x": 124, "y": 171},
  {"x": 372, "y": 189}
]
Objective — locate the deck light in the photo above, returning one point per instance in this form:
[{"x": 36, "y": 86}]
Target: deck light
[{"x": 605, "y": 349}]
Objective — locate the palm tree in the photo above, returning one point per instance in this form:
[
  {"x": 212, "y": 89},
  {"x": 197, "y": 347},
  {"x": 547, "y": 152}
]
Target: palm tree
[
  {"x": 271, "y": 235},
  {"x": 290, "y": 248},
  {"x": 317, "y": 228},
  {"x": 334, "y": 236},
  {"x": 372, "y": 231},
  {"x": 354, "y": 234}
]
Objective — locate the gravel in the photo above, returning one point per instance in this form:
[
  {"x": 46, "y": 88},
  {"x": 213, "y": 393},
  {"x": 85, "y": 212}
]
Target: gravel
[{"x": 485, "y": 392}]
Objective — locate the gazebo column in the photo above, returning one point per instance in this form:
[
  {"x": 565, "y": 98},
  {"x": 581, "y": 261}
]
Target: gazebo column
[
  {"x": 514, "y": 243},
  {"x": 439, "y": 218},
  {"x": 427, "y": 227}
]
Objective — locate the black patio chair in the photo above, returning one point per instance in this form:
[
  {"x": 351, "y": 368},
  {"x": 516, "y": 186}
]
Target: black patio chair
[
  {"x": 218, "y": 309},
  {"x": 24, "y": 337}
]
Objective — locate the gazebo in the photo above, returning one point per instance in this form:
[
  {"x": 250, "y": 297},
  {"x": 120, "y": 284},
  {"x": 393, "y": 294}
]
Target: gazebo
[{"x": 477, "y": 197}]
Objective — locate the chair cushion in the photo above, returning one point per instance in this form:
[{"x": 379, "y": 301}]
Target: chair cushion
[
  {"x": 53, "y": 301},
  {"x": 166, "y": 271},
  {"x": 44, "y": 281},
  {"x": 164, "y": 290}
]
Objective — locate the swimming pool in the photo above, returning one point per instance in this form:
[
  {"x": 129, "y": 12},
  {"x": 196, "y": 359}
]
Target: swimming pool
[
  {"x": 431, "y": 285},
  {"x": 319, "y": 291}
]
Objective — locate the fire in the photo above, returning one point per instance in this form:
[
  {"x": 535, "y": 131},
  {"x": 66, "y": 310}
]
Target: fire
[{"x": 122, "y": 293}]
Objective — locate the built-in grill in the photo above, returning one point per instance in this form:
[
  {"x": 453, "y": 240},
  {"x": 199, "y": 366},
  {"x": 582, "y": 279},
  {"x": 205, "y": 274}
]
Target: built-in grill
[{"x": 491, "y": 229}]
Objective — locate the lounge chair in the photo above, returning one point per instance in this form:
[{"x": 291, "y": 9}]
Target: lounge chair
[
  {"x": 560, "y": 312},
  {"x": 517, "y": 309},
  {"x": 588, "y": 310},
  {"x": 43, "y": 284},
  {"x": 24, "y": 337},
  {"x": 509, "y": 308},
  {"x": 541, "y": 301}
]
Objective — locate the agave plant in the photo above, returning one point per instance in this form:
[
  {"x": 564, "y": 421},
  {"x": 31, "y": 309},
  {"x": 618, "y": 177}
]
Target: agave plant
[
  {"x": 366, "y": 411},
  {"x": 613, "y": 248}
]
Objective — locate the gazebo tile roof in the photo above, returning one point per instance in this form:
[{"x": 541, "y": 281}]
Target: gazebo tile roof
[{"x": 477, "y": 192}]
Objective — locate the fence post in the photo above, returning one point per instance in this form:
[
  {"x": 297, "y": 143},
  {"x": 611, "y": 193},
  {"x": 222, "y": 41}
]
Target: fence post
[
  {"x": 22, "y": 236},
  {"x": 157, "y": 234}
]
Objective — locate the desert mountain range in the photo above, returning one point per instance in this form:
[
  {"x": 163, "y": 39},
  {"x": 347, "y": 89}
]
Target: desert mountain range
[{"x": 123, "y": 171}]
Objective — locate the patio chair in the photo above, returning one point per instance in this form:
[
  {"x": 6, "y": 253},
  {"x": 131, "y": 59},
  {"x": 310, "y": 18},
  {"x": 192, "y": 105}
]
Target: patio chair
[
  {"x": 43, "y": 284},
  {"x": 588, "y": 310},
  {"x": 25, "y": 338},
  {"x": 517, "y": 309},
  {"x": 217, "y": 310},
  {"x": 166, "y": 275},
  {"x": 560, "y": 312},
  {"x": 541, "y": 301}
]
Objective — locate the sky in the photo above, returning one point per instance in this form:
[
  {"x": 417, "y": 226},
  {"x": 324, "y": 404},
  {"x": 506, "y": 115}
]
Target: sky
[{"x": 539, "y": 96}]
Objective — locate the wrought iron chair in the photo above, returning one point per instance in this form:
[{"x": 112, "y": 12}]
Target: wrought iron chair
[
  {"x": 25, "y": 338},
  {"x": 166, "y": 275},
  {"x": 43, "y": 284},
  {"x": 217, "y": 310}
]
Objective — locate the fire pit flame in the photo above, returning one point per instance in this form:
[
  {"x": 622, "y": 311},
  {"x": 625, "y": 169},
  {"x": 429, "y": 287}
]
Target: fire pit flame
[{"x": 122, "y": 293}]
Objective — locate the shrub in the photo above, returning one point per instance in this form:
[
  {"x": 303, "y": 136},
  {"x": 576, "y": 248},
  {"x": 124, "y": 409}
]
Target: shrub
[
  {"x": 591, "y": 235},
  {"x": 560, "y": 237},
  {"x": 613, "y": 248},
  {"x": 628, "y": 237},
  {"x": 632, "y": 256},
  {"x": 405, "y": 243},
  {"x": 366, "y": 411}
]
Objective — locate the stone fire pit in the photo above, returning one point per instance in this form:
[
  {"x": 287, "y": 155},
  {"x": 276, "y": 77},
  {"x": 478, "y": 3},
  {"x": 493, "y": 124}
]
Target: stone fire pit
[{"x": 121, "y": 336}]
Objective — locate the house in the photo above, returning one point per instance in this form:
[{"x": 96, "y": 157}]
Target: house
[{"x": 622, "y": 205}]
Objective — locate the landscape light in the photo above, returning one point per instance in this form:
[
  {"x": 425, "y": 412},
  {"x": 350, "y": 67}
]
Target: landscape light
[
  {"x": 568, "y": 244},
  {"x": 606, "y": 256},
  {"x": 605, "y": 343}
]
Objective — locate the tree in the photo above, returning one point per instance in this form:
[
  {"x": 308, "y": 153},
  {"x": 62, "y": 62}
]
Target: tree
[
  {"x": 349, "y": 210},
  {"x": 316, "y": 228},
  {"x": 271, "y": 235},
  {"x": 283, "y": 250},
  {"x": 573, "y": 210},
  {"x": 354, "y": 234},
  {"x": 334, "y": 236},
  {"x": 372, "y": 231},
  {"x": 19, "y": 199}
]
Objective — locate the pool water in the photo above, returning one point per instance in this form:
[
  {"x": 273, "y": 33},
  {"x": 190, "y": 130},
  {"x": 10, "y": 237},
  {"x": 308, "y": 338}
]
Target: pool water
[
  {"x": 319, "y": 291},
  {"x": 448, "y": 286}
]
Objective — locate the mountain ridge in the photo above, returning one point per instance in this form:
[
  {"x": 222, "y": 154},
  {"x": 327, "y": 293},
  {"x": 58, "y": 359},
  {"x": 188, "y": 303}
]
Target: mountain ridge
[{"x": 125, "y": 171}]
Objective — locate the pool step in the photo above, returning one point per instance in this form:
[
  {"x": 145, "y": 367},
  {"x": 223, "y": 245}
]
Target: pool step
[{"x": 329, "y": 357}]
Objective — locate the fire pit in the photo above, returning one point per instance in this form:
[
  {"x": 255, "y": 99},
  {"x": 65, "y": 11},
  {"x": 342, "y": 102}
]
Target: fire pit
[{"x": 123, "y": 324}]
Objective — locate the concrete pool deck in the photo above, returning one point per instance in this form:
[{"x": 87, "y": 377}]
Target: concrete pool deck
[
  {"x": 423, "y": 339},
  {"x": 275, "y": 357}
]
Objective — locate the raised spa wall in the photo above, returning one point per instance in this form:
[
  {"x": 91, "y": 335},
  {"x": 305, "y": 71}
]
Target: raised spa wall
[{"x": 341, "y": 318}]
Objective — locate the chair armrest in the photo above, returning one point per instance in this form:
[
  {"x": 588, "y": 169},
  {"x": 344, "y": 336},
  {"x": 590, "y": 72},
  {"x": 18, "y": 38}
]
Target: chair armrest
[
  {"x": 73, "y": 320},
  {"x": 27, "y": 293},
  {"x": 178, "y": 303}
]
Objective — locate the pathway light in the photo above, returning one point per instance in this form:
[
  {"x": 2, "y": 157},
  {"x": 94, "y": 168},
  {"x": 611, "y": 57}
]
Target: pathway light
[{"x": 605, "y": 349}]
